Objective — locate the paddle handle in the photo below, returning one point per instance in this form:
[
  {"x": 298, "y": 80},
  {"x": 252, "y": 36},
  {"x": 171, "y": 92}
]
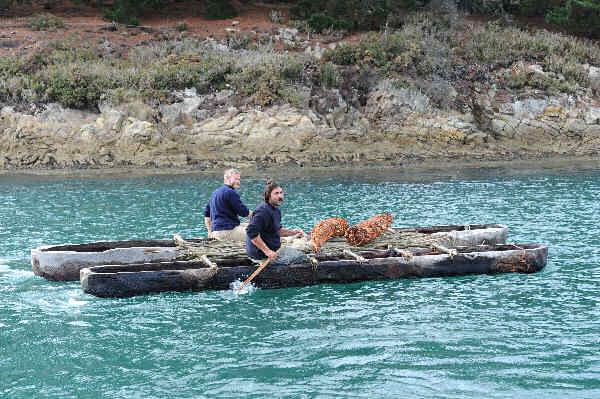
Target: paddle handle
[{"x": 260, "y": 268}]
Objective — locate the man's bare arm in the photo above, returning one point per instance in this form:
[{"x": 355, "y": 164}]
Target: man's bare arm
[
  {"x": 260, "y": 244},
  {"x": 207, "y": 223},
  {"x": 286, "y": 233}
]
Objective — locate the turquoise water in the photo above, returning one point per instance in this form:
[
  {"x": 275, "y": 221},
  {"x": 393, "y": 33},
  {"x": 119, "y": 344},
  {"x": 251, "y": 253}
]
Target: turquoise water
[{"x": 502, "y": 336}]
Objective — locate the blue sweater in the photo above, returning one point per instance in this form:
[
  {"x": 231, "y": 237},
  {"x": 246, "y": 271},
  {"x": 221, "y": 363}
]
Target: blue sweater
[
  {"x": 266, "y": 221},
  {"x": 223, "y": 209}
]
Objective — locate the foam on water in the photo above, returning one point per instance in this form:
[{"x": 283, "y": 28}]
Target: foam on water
[
  {"x": 74, "y": 302},
  {"x": 79, "y": 323},
  {"x": 16, "y": 274},
  {"x": 235, "y": 287}
]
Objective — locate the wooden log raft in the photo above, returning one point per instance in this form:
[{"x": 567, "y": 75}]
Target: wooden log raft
[
  {"x": 64, "y": 262},
  {"x": 140, "y": 279}
]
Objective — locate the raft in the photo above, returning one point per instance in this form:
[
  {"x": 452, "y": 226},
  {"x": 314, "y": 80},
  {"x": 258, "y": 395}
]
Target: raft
[
  {"x": 181, "y": 276},
  {"x": 64, "y": 262}
]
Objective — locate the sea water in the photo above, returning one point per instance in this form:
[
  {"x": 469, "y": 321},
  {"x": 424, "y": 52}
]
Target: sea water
[{"x": 484, "y": 336}]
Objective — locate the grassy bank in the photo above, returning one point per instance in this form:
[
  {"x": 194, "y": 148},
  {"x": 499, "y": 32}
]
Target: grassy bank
[{"x": 442, "y": 56}]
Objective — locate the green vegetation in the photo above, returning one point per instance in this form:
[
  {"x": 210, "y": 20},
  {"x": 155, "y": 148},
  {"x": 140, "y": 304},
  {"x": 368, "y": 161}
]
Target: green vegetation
[
  {"x": 129, "y": 11},
  {"x": 45, "y": 22},
  {"x": 437, "y": 53},
  {"x": 321, "y": 22},
  {"x": 557, "y": 52},
  {"x": 578, "y": 16},
  {"x": 182, "y": 26},
  {"x": 581, "y": 16},
  {"x": 343, "y": 15},
  {"x": 330, "y": 75},
  {"x": 222, "y": 9}
]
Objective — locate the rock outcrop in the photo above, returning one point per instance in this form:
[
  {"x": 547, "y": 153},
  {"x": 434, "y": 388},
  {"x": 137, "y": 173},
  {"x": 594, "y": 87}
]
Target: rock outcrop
[{"x": 395, "y": 126}]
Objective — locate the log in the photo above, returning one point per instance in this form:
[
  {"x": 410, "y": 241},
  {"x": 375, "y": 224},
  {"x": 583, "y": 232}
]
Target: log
[
  {"x": 208, "y": 262},
  {"x": 178, "y": 240},
  {"x": 450, "y": 251},
  {"x": 356, "y": 257},
  {"x": 402, "y": 252},
  {"x": 313, "y": 261},
  {"x": 139, "y": 279}
]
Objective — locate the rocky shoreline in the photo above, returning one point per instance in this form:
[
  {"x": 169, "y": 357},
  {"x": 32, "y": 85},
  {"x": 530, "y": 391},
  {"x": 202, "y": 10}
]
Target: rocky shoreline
[
  {"x": 419, "y": 171},
  {"x": 396, "y": 128}
]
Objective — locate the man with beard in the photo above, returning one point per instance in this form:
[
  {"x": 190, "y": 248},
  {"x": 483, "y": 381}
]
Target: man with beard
[{"x": 264, "y": 231}]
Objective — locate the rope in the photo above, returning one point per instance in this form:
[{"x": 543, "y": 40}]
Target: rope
[
  {"x": 215, "y": 249},
  {"x": 389, "y": 238},
  {"x": 211, "y": 249}
]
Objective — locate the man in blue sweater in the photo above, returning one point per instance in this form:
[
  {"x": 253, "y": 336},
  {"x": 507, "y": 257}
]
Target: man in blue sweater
[
  {"x": 264, "y": 231},
  {"x": 222, "y": 211}
]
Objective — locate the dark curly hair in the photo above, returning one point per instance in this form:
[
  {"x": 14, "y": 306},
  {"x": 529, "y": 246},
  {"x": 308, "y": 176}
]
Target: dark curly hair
[{"x": 269, "y": 187}]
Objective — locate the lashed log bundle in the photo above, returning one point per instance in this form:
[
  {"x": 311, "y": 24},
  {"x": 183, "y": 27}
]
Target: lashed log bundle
[
  {"x": 64, "y": 262},
  {"x": 140, "y": 279},
  {"x": 370, "y": 229},
  {"x": 325, "y": 229}
]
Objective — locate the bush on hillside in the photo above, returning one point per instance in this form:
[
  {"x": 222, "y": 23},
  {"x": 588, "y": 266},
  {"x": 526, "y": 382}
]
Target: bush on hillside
[
  {"x": 45, "y": 22},
  {"x": 321, "y": 22},
  {"x": 519, "y": 7},
  {"x": 220, "y": 10},
  {"x": 581, "y": 16},
  {"x": 350, "y": 14}
]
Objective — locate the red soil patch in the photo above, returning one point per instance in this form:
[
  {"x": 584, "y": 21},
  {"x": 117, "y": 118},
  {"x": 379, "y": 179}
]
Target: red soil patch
[{"x": 16, "y": 38}]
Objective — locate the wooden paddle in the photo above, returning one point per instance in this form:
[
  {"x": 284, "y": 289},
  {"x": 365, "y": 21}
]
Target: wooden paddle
[{"x": 260, "y": 268}]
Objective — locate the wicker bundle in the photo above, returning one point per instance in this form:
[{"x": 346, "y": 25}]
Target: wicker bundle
[
  {"x": 369, "y": 230},
  {"x": 325, "y": 229}
]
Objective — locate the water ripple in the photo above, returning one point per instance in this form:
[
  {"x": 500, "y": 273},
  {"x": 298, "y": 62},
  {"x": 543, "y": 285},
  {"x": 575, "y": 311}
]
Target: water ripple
[{"x": 500, "y": 336}]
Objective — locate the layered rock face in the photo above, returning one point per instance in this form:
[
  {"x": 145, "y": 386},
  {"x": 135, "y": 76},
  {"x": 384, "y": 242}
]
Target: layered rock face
[{"x": 395, "y": 126}]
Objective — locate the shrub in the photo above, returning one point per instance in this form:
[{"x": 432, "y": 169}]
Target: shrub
[
  {"x": 572, "y": 70},
  {"x": 220, "y": 10},
  {"x": 73, "y": 87},
  {"x": 494, "y": 44},
  {"x": 45, "y": 22},
  {"x": 291, "y": 70},
  {"x": 298, "y": 97},
  {"x": 238, "y": 41},
  {"x": 518, "y": 80},
  {"x": 128, "y": 11},
  {"x": 9, "y": 66},
  {"x": 390, "y": 52},
  {"x": 123, "y": 12},
  {"x": 265, "y": 83},
  {"x": 344, "y": 54},
  {"x": 400, "y": 83},
  {"x": 182, "y": 26},
  {"x": 581, "y": 16},
  {"x": 329, "y": 75},
  {"x": 204, "y": 76},
  {"x": 305, "y": 8},
  {"x": 320, "y": 22}
]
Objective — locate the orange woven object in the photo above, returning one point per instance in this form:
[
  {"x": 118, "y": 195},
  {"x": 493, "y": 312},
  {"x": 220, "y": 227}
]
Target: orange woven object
[
  {"x": 369, "y": 230},
  {"x": 325, "y": 229}
]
